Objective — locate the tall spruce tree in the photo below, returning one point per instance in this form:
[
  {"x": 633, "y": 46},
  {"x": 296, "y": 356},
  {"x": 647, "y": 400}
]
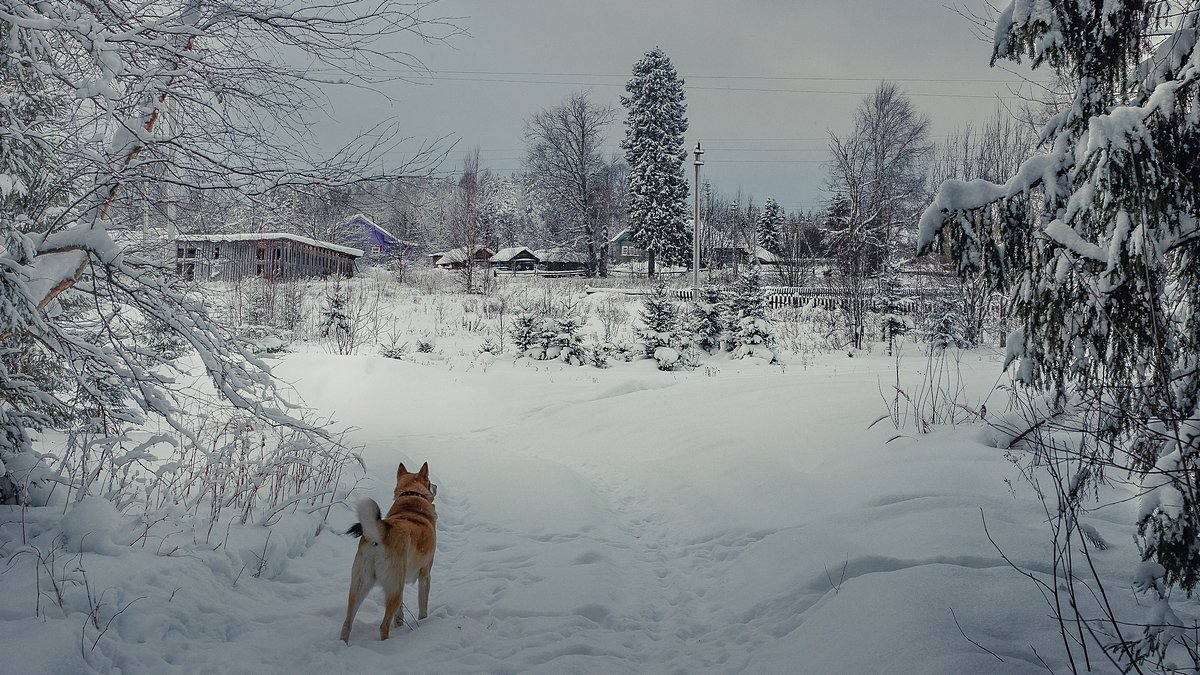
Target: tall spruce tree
[
  {"x": 1097, "y": 241},
  {"x": 654, "y": 149},
  {"x": 770, "y": 219}
]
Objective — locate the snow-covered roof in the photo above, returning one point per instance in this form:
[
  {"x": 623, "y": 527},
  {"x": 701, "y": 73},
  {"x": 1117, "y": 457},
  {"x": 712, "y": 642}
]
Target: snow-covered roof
[
  {"x": 370, "y": 223},
  {"x": 618, "y": 235},
  {"x": 766, "y": 256},
  {"x": 559, "y": 255},
  {"x": 456, "y": 255},
  {"x": 507, "y": 254},
  {"x": 248, "y": 236}
]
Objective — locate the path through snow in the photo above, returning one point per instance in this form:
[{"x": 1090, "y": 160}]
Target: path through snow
[{"x": 624, "y": 521}]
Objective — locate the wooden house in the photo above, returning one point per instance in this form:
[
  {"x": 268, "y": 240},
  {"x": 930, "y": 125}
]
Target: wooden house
[
  {"x": 456, "y": 259},
  {"x": 560, "y": 260},
  {"x": 623, "y": 250},
  {"x": 514, "y": 259},
  {"x": 379, "y": 246},
  {"x": 276, "y": 255}
]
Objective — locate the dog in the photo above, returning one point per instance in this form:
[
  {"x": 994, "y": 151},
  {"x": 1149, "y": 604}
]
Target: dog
[{"x": 394, "y": 550}]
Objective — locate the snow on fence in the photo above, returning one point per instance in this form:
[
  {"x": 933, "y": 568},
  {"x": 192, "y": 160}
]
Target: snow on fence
[{"x": 777, "y": 296}]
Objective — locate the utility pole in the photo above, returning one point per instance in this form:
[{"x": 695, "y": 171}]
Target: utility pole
[{"x": 696, "y": 222}]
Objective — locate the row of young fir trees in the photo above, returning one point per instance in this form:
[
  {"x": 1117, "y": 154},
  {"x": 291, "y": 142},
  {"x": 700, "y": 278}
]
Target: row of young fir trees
[{"x": 716, "y": 320}]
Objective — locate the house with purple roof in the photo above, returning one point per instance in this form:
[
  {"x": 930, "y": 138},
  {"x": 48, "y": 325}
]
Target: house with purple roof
[{"x": 379, "y": 246}]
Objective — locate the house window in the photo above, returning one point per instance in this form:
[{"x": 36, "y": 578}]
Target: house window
[
  {"x": 216, "y": 252},
  {"x": 191, "y": 253},
  {"x": 261, "y": 253},
  {"x": 179, "y": 253},
  {"x": 376, "y": 250},
  {"x": 278, "y": 253}
]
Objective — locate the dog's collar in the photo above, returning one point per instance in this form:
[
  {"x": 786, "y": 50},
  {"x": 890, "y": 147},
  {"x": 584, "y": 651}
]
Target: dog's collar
[{"x": 413, "y": 493}]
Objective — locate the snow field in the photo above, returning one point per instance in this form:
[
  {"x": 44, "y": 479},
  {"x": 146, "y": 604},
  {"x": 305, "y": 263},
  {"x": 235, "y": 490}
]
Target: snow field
[{"x": 736, "y": 518}]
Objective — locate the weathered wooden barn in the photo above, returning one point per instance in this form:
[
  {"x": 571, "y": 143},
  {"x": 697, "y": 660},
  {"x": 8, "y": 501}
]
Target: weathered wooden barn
[{"x": 275, "y": 255}]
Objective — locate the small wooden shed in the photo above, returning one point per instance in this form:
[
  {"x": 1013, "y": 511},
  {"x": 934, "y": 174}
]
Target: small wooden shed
[
  {"x": 515, "y": 259},
  {"x": 456, "y": 259},
  {"x": 274, "y": 255}
]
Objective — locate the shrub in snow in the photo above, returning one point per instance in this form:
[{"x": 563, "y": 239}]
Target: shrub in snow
[
  {"x": 706, "y": 319},
  {"x": 488, "y": 346},
  {"x": 598, "y": 354},
  {"x": 660, "y": 333},
  {"x": 562, "y": 340},
  {"x": 752, "y": 332},
  {"x": 425, "y": 346},
  {"x": 545, "y": 338},
  {"x": 336, "y": 326},
  {"x": 394, "y": 350},
  {"x": 526, "y": 333},
  {"x": 947, "y": 327},
  {"x": 91, "y": 526}
]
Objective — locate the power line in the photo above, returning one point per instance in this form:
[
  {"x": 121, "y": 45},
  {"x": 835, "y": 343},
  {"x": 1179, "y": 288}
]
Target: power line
[
  {"x": 432, "y": 74},
  {"x": 721, "y": 89}
]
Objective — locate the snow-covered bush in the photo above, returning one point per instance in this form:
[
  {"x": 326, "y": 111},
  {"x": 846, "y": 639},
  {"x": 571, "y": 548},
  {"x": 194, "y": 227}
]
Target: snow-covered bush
[
  {"x": 394, "y": 350},
  {"x": 946, "y": 329},
  {"x": 547, "y": 338},
  {"x": 752, "y": 332},
  {"x": 563, "y": 340},
  {"x": 526, "y": 333},
  {"x": 660, "y": 333},
  {"x": 335, "y": 323}
]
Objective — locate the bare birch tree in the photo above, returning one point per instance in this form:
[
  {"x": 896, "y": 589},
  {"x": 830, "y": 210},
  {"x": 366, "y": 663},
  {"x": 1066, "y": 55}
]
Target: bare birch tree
[{"x": 564, "y": 157}]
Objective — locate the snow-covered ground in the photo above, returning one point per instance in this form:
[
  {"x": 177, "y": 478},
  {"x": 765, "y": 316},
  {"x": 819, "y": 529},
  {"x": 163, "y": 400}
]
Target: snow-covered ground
[{"x": 735, "y": 518}]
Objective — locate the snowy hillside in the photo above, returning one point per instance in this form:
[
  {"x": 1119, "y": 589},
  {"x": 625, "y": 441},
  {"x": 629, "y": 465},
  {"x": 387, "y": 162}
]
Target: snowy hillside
[{"x": 742, "y": 518}]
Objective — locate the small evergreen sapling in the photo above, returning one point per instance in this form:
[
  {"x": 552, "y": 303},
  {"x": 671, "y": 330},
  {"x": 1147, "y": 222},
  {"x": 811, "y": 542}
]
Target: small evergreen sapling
[
  {"x": 947, "y": 328},
  {"x": 706, "y": 319},
  {"x": 526, "y": 334},
  {"x": 659, "y": 333},
  {"x": 753, "y": 333},
  {"x": 895, "y": 303}
]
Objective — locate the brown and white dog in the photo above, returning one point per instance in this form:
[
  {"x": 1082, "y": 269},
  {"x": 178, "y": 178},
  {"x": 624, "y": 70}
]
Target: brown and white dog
[{"x": 394, "y": 550}]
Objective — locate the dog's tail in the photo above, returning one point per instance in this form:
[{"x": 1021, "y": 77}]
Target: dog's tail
[{"x": 370, "y": 521}]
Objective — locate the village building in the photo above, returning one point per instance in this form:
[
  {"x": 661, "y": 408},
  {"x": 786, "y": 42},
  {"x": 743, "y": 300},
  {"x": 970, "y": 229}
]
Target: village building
[
  {"x": 623, "y": 250},
  {"x": 275, "y": 255},
  {"x": 560, "y": 261},
  {"x": 514, "y": 259},
  {"x": 736, "y": 256},
  {"x": 456, "y": 259},
  {"x": 379, "y": 246}
]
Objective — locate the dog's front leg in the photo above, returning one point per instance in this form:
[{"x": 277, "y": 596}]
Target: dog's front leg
[{"x": 423, "y": 583}]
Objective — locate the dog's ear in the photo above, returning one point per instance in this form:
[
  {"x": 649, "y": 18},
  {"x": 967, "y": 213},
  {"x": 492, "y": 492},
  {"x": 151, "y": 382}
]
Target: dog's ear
[
  {"x": 424, "y": 472},
  {"x": 401, "y": 471}
]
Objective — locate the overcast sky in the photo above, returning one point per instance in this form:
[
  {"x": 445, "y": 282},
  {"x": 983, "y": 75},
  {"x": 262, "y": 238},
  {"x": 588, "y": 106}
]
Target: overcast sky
[{"x": 519, "y": 56}]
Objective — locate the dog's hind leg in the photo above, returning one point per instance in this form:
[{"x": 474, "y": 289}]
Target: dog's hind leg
[
  {"x": 361, "y": 582},
  {"x": 392, "y": 612},
  {"x": 423, "y": 582}
]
